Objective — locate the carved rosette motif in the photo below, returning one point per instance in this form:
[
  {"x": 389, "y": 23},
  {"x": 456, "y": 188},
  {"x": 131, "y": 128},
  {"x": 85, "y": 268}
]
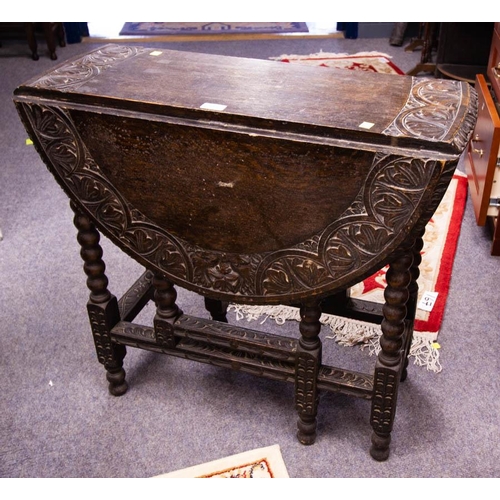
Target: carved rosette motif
[{"x": 387, "y": 203}]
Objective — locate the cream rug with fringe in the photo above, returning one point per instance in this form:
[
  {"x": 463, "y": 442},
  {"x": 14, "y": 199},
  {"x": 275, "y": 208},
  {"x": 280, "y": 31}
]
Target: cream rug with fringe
[
  {"x": 254, "y": 464},
  {"x": 440, "y": 242}
]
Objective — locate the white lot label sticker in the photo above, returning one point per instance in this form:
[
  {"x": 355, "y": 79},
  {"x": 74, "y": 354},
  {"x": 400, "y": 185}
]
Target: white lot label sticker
[
  {"x": 155, "y": 53},
  {"x": 427, "y": 301},
  {"x": 213, "y": 107},
  {"x": 366, "y": 125}
]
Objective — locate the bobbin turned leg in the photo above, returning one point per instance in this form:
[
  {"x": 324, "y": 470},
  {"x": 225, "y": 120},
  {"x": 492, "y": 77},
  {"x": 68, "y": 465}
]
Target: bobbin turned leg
[
  {"x": 306, "y": 372},
  {"x": 217, "y": 309},
  {"x": 167, "y": 310},
  {"x": 391, "y": 357},
  {"x": 413, "y": 299},
  {"x": 102, "y": 306}
]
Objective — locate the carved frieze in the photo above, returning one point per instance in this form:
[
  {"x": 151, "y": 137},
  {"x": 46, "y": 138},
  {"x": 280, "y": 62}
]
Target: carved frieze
[
  {"x": 431, "y": 110},
  {"x": 369, "y": 226},
  {"x": 273, "y": 346}
]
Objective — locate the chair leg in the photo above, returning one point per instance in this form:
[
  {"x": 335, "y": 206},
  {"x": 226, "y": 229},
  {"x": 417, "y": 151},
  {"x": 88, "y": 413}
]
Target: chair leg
[
  {"x": 32, "y": 43},
  {"x": 390, "y": 360},
  {"x": 50, "y": 39},
  {"x": 60, "y": 34}
]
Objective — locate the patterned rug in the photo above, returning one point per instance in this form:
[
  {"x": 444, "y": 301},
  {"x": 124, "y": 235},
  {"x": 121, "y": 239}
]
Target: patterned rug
[
  {"x": 375, "y": 62},
  {"x": 145, "y": 29},
  {"x": 440, "y": 243},
  {"x": 255, "y": 464}
]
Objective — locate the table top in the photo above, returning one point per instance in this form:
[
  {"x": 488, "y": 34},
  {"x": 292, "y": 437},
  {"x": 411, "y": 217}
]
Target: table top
[
  {"x": 360, "y": 106},
  {"x": 248, "y": 180}
]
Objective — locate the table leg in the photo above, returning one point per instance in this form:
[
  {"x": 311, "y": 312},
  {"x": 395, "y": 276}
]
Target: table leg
[
  {"x": 217, "y": 309},
  {"x": 50, "y": 39},
  {"x": 306, "y": 372},
  {"x": 167, "y": 311},
  {"x": 413, "y": 299},
  {"x": 102, "y": 306},
  {"x": 32, "y": 43},
  {"x": 390, "y": 360}
]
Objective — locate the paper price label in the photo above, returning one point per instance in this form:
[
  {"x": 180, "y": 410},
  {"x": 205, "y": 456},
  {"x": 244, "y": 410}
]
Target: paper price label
[
  {"x": 427, "y": 301},
  {"x": 213, "y": 107}
]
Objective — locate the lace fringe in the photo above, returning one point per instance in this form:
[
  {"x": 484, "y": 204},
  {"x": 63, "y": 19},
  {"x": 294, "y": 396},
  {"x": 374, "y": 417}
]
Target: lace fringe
[{"x": 346, "y": 332}]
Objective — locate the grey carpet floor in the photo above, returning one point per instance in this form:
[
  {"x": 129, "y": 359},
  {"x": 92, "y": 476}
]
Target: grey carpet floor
[{"x": 58, "y": 420}]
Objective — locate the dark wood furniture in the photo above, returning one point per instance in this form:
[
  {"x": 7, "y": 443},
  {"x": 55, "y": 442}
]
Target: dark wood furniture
[
  {"x": 53, "y": 34},
  {"x": 426, "y": 41},
  {"x": 453, "y": 50},
  {"x": 483, "y": 154},
  {"x": 463, "y": 50},
  {"x": 253, "y": 182}
]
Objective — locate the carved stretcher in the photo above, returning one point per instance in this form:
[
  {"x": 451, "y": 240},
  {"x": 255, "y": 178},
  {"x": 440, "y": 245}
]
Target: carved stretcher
[{"x": 252, "y": 182}]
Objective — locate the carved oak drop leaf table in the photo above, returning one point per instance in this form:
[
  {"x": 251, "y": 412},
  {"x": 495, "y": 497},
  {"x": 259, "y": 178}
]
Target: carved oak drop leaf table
[{"x": 252, "y": 182}]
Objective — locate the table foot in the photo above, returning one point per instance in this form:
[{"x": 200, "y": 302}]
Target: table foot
[
  {"x": 306, "y": 433},
  {"x": 117, "y": 384},
  {"x": 380, "y": 446}
]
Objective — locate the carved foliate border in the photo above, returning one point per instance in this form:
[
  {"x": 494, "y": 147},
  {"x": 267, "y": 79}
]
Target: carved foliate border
[
  {"x": 370, "y": 228},
  {"x": 431, "y": 112},
  {"x": 72, "y": 75}
]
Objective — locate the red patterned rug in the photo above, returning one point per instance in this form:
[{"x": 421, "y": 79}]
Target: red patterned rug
[
  {"x": 375, "y": 62},
  {"x": 438, "y": 253}
]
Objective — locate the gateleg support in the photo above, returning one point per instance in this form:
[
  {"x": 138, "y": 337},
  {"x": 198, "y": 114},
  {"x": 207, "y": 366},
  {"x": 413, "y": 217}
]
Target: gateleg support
[
  {"x": 307, "y": 366},
  {"x": 167, "y": 311},
  {"x": 412, "y": 300}
]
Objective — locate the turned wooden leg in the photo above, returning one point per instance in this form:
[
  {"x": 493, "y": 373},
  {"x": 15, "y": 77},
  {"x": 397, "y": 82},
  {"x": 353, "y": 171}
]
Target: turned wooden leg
[
  {"x": 390, "y": 359},
  {"x": 60, "y": 34},
  {"x": 50, "y": 39},
  {"x": 167, "y": 310},
  {"x": 102, "y": 306},
  {"x": 306, "y": 372},
  {"x": 217, "y": 309},
  {"x": 411, "y": 306},
  {"x": 32, "y": 43}
]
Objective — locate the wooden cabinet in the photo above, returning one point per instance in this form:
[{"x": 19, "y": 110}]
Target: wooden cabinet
[
  {"x": 463, "y": 50},
  {"x": 493, "y": 71},
  {"x": 483, "y": 155}
]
